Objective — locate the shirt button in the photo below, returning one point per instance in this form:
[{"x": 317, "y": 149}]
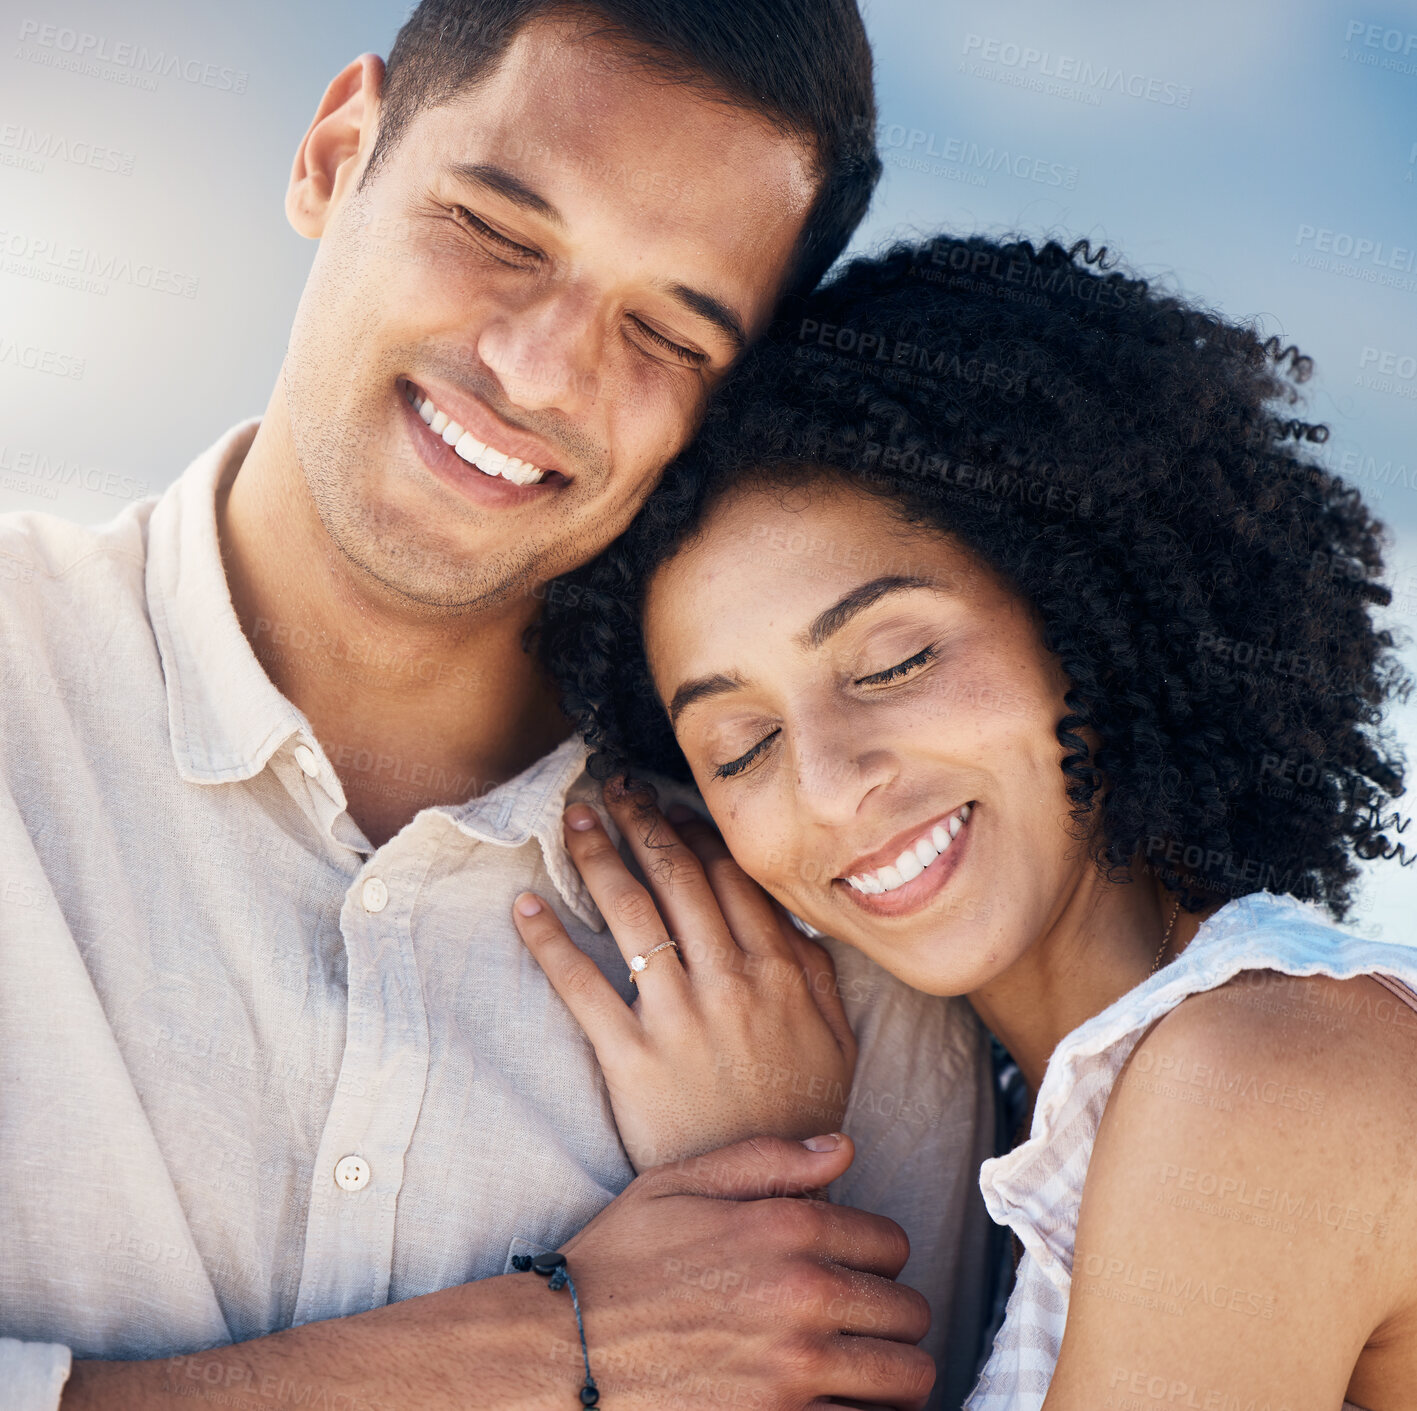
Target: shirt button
[
  {"x": 375, "y": 895},
  {"x": 305, "y": 758},
  {"x": 352, "y": 1173}
]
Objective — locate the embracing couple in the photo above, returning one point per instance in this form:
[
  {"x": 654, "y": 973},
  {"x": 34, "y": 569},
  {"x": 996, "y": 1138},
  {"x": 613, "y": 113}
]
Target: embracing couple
[{"x": 557, "y": 866}]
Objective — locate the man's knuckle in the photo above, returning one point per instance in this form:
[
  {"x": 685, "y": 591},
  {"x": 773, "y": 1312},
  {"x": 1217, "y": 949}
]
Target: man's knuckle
[
  {"x": 798, "y": 1224},
  {"x": 814, "y": 1286},
  {"x": 915, "y": 1311},
  {"x": 890, "y": 1243},
  {"x": 798, "y": 1359}
]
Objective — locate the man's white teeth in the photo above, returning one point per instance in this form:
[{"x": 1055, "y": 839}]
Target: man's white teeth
[
  {"x": 915, "y": 859},
  {"x": 470, "y": 449}
]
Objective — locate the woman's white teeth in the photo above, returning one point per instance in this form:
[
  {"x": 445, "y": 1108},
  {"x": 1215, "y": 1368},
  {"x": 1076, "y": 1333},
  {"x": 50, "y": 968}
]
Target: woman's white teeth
[
  {"x": 470, "y": 449},
  {"x": 915, "y": 859}
]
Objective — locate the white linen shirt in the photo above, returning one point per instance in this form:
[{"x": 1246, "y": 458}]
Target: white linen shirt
[{"x": 256, "y": 1072}]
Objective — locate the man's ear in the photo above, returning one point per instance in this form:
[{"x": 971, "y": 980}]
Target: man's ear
[{"x": 333, "y": 148}]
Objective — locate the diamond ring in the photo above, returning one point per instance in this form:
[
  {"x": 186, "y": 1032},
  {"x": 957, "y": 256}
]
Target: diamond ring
[{"x": 638, "y": 962}]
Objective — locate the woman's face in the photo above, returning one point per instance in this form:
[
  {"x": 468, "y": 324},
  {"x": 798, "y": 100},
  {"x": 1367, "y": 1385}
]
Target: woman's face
[{"x": 850, "y": 692}]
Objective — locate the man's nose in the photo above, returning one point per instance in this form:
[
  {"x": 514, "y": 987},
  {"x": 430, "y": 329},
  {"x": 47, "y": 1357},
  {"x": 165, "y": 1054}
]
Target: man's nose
[{"x": 546, "y": 353}]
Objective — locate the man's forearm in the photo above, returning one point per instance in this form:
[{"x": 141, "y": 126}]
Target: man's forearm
[
  {"x": 653, "y": 1271},
  {"x": 490, "y": 1344}
]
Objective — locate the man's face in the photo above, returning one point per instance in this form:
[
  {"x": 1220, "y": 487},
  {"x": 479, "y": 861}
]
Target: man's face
[{"x": 563, "y": 262}]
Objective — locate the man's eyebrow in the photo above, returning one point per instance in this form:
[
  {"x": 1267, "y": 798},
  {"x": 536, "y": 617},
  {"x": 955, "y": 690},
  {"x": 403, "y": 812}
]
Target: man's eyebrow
[
  {"x": 857, "y": 600},
  {"x": 714, "y": 310},
  {"x": 701, "y": 689},
  {"x": 509, "y": 186}
]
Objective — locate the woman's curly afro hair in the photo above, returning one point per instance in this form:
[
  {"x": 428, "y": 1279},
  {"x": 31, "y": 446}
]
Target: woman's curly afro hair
[{"x": 1131, "y": 465}]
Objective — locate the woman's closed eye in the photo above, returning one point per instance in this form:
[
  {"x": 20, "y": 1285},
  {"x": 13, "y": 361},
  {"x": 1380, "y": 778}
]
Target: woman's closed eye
[
  {"x": 898, "y": 672},
  {"x": 737, "y": 766},
  {"x": 900, "y": 669}
]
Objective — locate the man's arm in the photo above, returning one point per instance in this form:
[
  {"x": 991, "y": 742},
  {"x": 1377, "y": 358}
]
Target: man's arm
[{"x": 700, "y": 1285}]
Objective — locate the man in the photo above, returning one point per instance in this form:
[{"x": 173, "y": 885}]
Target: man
[{"x": 280, "y": 1081}]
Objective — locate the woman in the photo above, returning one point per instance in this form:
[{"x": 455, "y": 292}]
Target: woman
[{"x": 1011, "y": 634}]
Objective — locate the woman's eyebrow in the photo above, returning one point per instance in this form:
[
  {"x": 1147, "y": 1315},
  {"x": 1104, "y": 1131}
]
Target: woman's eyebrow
[
  {"x": 701, "y": 688},
  {"x": 833, "y": 619},
  {"x": 857, "y": 600}
]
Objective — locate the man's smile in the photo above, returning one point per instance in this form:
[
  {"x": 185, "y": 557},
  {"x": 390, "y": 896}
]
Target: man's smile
[{"x": 466, "y": 445}]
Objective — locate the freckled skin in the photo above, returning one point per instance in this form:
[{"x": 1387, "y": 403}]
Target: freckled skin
[
  {"x": 1296, "y": 1317},
  {"x": 853, "y": 768}
]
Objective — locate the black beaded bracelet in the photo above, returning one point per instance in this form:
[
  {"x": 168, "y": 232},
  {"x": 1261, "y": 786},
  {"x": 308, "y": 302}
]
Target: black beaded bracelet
[{"x": 553, "y": 1268}]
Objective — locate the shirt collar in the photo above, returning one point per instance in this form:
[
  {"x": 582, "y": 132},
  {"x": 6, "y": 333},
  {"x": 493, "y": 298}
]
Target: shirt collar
[
  {"x": 226, "y": 716},
  {"x": 530, "y": 806}
]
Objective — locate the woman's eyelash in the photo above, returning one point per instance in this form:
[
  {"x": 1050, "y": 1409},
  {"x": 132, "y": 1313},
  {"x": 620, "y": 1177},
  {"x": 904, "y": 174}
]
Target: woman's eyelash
[
  {"x": 891, "y": 673},
  {"x": 903, "y": 668},
  {"x": 480, "y": 227},
  {"x": 676, "y": 350},
  {"x": 737, "y": 766}
]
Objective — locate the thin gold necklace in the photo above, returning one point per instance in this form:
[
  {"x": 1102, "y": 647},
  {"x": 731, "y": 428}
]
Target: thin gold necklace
[{"x": 1166, "y": 937}]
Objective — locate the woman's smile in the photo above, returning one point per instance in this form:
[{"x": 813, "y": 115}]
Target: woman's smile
[{"x": 914, "y": 874}]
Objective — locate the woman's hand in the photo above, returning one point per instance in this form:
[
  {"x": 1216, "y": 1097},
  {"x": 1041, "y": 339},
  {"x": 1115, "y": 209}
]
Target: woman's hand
[{"x": 738, "y": 1033}]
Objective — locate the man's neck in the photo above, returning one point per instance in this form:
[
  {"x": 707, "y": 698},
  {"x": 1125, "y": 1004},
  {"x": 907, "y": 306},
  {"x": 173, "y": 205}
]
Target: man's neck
[{"x": 414, "y": 706}]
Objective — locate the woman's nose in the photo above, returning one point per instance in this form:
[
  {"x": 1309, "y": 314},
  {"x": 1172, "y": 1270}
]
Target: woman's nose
[{"x": 835, "y": 773}]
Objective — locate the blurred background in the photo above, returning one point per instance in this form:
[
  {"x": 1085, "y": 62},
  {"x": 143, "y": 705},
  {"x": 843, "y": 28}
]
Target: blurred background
[{"x": 1258, "y": 157}]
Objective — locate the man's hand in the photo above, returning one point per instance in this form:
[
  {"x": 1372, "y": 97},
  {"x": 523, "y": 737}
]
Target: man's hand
[{"x": 702, "y": 1286}]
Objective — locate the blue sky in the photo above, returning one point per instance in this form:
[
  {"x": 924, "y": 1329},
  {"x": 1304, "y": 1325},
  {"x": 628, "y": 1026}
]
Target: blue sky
[{"x": 1259, "y": 157}]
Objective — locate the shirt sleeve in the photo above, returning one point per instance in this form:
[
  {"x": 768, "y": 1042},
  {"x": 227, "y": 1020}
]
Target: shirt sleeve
[{"x": 33, "y": 1374}]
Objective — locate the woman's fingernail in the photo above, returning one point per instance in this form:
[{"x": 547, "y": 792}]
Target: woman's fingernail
[
  {"x": 830, "y": 1142},
  {"x": 681, "y": 813},
  {"x": 580, "y": 817},
  {"x": 527, "y": 904}
]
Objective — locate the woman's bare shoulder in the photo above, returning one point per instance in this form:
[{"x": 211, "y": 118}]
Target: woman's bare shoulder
[
  {"x": 1307, "y": 1082},
  {"x": 1248, "y": 1220}
]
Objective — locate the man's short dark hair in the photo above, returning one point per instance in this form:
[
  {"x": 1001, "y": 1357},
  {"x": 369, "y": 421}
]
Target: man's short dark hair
[{"x": 805, "y": 65}]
